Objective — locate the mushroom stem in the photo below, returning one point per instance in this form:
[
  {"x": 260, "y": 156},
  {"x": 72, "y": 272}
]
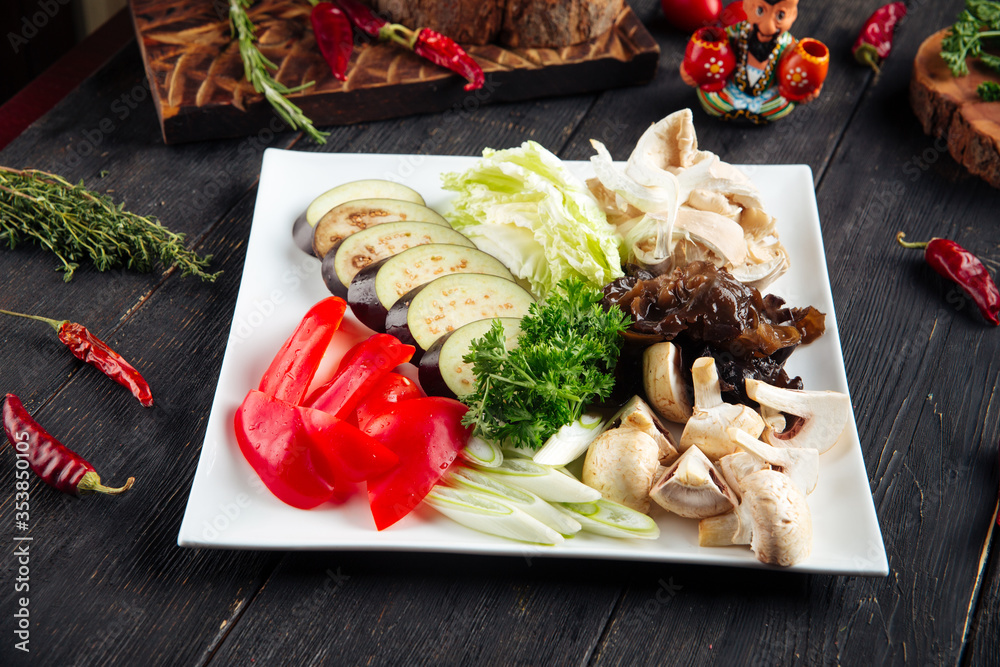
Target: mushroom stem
[{"x": 707, "y": 390}]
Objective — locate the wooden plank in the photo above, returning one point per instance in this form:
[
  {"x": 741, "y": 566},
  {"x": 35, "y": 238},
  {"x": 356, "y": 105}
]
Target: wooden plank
[
  {"x": 198, "y": 78},
  {"x": 419, "y": 609},
  {"x": 927, "y": 428},
  {"x": 984, "y": 649}
]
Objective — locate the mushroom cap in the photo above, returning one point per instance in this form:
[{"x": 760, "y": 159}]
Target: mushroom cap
[
  {"x": 637, "y": 414},
  {"x": 710, "y": 417},
  {"x": 781, "y": 532},
  {"x": 622, "y": 463},
  {"x": 663, "y": 381},
  {"x": 693, "y": 487},
  {"x": 801, "y": 465},
  {"x": 824, "y": 414}
]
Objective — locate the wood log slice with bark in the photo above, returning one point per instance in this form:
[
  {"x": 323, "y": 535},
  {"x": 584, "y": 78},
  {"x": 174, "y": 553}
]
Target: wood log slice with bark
[{"x": 949, "y": 107}]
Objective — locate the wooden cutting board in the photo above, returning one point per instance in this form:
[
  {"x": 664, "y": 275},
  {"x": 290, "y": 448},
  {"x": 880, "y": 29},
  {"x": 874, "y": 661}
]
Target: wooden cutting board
[
  {"x": 197, "y": 79},
  {"x": 949, "y": 108}
]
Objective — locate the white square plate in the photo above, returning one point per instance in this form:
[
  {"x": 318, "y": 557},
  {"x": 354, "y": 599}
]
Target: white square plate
[{"x": 229, "y": 507}]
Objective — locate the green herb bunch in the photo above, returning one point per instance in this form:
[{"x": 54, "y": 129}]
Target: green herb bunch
[
  {"x": 257, "y": 69},
  {"x": 977, "y": 28},
  {"x": 563, "y": 361},
  {"x": 75, "y": 224}
]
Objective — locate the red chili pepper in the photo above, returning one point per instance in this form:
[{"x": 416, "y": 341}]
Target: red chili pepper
[
  {"x": 393, "y": 388},
  {"x": 426, "y": 434},
  {"x": 874, "y": 43},
  {"x": 292, "y": 370},
  {"x": 438, "y": 49},
  {"x": 89, "y": 348},
  {"x": 303, "y": 455},
  {"x": 361, "y": 369},
  {"x": 58, "y": 467},
  {"x": 962, "y": 267},
  {"x": 362, "y": 16},
  {"x": 334, "y": 37},
  {"x": 443, "y": 51}
]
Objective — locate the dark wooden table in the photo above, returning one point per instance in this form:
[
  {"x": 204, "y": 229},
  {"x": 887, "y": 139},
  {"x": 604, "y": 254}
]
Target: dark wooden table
[{"x": 108, "y": 585}]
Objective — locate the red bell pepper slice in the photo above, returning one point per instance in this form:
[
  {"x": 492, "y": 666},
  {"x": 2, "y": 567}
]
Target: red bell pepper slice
[
  {"x": 362, "y": 368},
  {"x": 426, "y": 434},
  {"x": 292, "y": 370},
  {"x": 301, "y": 454},
  {"x": 393, "y": 388}
]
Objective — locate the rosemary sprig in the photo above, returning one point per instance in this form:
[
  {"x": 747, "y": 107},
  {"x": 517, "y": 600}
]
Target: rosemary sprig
[
  {"x": 75, "y": 223},
  {"x": 258, "y": 72}
]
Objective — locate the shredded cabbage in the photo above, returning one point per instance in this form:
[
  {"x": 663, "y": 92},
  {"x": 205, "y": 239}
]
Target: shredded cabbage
[{"x": 524, "y": 207}]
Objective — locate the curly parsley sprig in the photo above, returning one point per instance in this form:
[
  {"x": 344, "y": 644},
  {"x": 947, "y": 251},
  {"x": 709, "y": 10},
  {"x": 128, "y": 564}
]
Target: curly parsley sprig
[
  {"x": 976, "y": 26},
  {"x": 565, "y": 354}
]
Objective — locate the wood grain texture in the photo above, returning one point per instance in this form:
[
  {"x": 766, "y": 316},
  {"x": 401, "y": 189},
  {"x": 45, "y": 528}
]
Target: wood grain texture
[
  {"x": 109, "y": 585},
  {"x": 198, "y": 80},
  {"x": 949, "y": 108}
]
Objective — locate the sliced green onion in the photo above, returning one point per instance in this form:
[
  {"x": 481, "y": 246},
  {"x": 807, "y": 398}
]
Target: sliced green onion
[
  {"x": 612, "y": 519},
  {"x": 547, "y": 482},
  {"x": 482, "y": 453},
  {"x": 486, "y": 514},
  {"x": 530, "y": 503},
  {"x": 571, "y": 441}
]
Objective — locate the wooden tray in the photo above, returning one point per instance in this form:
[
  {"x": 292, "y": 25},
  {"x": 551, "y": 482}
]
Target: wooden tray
[{"x": 197, "y": 79}]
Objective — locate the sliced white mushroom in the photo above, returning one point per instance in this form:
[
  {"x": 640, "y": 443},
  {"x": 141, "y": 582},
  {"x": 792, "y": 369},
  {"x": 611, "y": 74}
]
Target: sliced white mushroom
[
  {"x": 773, "y": 518},
  {"x": 823, "y": 415},
  {"x": 801, "y": 465},
  {"x": 710, "y": 416},
  {"x": 621, "y": 464},
  {"x": 663, "y": 381},
  {"x": 693, "y": 487},
  {"x": 637, "y": 414},
  {"x": 736, "y": 466}
]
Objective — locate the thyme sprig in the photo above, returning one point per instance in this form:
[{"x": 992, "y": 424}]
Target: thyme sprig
[
  {"x": 75, "y": 224},
  {"x": 257, "y": 68}
]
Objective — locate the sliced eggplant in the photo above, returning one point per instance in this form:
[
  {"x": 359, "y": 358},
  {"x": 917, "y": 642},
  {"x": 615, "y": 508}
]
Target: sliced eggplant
[
  {"x": 426, "y": 313},
  {"x": 369, "y": 188},
  {"x": 442, "y": 370},
  {"x": 341, "y": 221},
  {"x": 377, "y": 286},
  {"x": 368, "y": 246}
]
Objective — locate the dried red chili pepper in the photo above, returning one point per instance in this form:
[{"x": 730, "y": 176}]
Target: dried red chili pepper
[
  {"x": 334, "y": 36},
  {"x": 58, "y": 467},
  {"x": 362, "y": 16},
  {"x": 433, "y": 46},
  {"x": 443, "y": 51},
  {"x": 89, "y": 348},
  {"x": 962, "y": 267},
  {"x": 874, "y": 43}
]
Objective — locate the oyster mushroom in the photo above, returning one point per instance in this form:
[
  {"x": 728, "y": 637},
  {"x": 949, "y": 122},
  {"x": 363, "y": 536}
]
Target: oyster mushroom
[
  {"x": 773, "y": 518},
  {"x": 621, "y": 464},
  {"x": 823, "y": 415},
  {"x": 663, "y": 381},
  {"x": 693, "y": 488},
  {"x": 802, "y": 465},
  {"x": 711, "y": 416}
]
